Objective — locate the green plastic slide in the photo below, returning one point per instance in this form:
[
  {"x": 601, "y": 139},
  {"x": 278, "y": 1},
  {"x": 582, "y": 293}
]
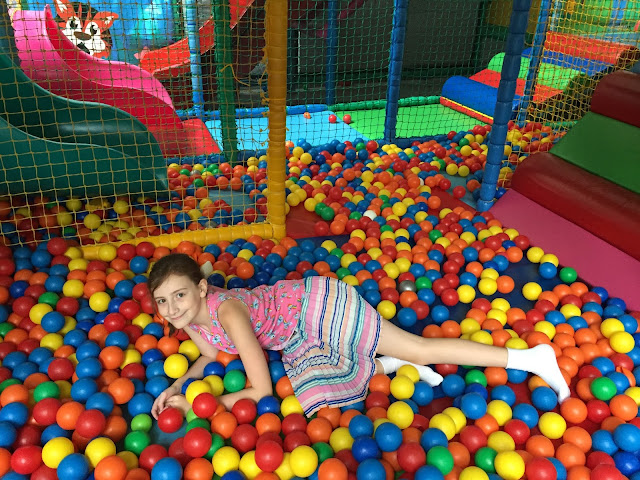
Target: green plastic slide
[
  {"x": 549, "y": 75},
  {"x": 52, "y": 144}
]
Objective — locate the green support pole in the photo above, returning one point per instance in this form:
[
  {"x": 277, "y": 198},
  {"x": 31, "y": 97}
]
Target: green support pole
[{"x": 224, "y": 75}]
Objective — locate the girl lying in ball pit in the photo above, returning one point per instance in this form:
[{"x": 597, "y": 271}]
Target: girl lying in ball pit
[{"x": 328, "y": 334}]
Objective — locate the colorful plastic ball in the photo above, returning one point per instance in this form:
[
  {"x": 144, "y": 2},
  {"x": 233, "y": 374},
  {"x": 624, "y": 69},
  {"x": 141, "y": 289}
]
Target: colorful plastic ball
[
  {"x": 473, "y": 473},
  {"x": 364, "y": 447},
  {"x": 303, "y": 461},
  {"x": 269, "y": 455},
  {"x": 333, "y": 118},
  {"x": 333, "y": 469},
  {"x": 622, "y": 342},
  {"x": 15, "y": 413},
  {"x": 402, "y": 387},
  {"x": 473, "y": 405},
  {"x": 167, "y": 469},
  {"x": 55, "y": 450},
  {"x": 627, "y": 437},
  {"x": 509, "y": 465},
  {"x": 602, "y": 440},
  {"x": 411, "y": 456},
  {"x": 370, "y": 469},
  {"x": 541, "y": 468},
  {"x": 176, "y": 365},
  {"x": 401, "y": 414},
  {"x": 440, "y": 458},
  {"x": 485, "y": 459},
  {"x": 197, "y": 442},
  {"x": 568, "y": 275},
  {"x": 388, "y": 436},
  {"x": 543, "y": 398},
  {"x": 26, "y": 459},
  {"x": 98, "y": 449},
  {"x": 225, "y": 459},
  {"x": 170, "y": 420},
  {"x": 603, "y": 388},
  {"x": 204, "y": 405},
  {"x": 74, "y": 466},
  {"x": 552, "y": 425},
  {"x": 90, "y": 423}
]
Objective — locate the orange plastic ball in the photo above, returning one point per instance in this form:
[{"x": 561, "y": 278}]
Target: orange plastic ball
[
  {"x": 110, "y": 468},
  {"x": 198, "y": 469},
  {"x": 573, "y": 410},
  {"x": 570, "y": 455}
]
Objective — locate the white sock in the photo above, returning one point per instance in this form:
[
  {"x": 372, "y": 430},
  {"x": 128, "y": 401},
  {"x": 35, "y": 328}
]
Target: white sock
[
  {"x": 540, "y": 360},
  {"x": 392, "y": 364}
]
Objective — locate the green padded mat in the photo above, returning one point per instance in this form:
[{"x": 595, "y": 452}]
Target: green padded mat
[
  {"x": 549, "y": 74},
  {"x": 605, "y": 147},
  {"x": 417, "y": 121}
]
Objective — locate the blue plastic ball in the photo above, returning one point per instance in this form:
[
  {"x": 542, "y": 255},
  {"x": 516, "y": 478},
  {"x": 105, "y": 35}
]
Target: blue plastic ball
[
  {"x": 360, "y": 425},
  {"x": 428, "y": 472},
  {"x": 602, "y": 440},
  {"x": 526, "y": 413},
  {"x": 473, "y": 406},
  {"x": 15, "y": 413},
  {"x": 167, "y": 468},
  {"x": 627, "y": 437},
  {"x": 422, "y": 394},
  {"x": 543, "y": 398},
  {"x": 74, "y": 467},
  {"x": 364, "y": 447},
  {"x": 268, "y": 404},
  {"x": 8, "y": 434},
  {"x": 388, "y": 436},
  {"x": 433, "y": 437},
  {"x": 370, "y": 469},
  {"x": 140, "y": 403}
]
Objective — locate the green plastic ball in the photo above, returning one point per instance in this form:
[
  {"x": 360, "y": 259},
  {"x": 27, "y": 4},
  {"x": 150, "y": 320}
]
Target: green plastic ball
[
  {"x": 422, "y": 283},
  {"x": 5, "y": 328},
  {"x": 199, "y": 422},
  {"x": 568, "y": 275},
  {"x": 342, "y": 272},
  {"x": 46, "y": 390},
  {"x": 50, "y": 298},
  {"x": 323, "y": 450},
  {"x": 485, "y": 458},
  {"x": 217, "y": 442},
  {"x": 191, "y": 416},
  {"x": 198, "y": 182},
  {"x": 475, "y": 376},
  {"x": 337, "y": 252},
  {"x": 603, "y": 388},
  {"x": 386, "y": 228},
  {"x": 7, "y": 382},
  {"x": 434, "y": 235},
  {"x": 141, "y": 423},
  {"x": 355, "y": 215},
  {"x": 234, "y": 381},
  {"x": 136, "y": 442},
  {"x": 327, "y": 214},
  {"x": 440, "y": 458}
]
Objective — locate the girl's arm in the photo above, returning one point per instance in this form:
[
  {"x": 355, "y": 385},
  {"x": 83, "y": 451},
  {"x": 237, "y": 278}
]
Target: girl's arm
[{"x": 234, "y": 317}]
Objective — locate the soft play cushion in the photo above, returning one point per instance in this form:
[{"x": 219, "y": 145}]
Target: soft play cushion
[{"x": 603, "y": 208}]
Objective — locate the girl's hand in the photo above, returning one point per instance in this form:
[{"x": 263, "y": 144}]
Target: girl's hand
[
  {"x": 161, "y": 402},
  {"x": 180, "y": 402}
]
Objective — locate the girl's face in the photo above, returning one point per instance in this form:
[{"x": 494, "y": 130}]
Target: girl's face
[{"x": 180, "y": 301}]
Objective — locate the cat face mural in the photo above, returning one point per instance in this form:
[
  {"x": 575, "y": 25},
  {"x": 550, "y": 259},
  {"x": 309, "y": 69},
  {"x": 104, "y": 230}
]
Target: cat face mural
[{"x": 87, "y": 28}]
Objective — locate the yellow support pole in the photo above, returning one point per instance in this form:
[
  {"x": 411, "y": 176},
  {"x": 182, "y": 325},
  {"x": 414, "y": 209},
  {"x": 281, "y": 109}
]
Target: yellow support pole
[{"x": 276, "y": 12}]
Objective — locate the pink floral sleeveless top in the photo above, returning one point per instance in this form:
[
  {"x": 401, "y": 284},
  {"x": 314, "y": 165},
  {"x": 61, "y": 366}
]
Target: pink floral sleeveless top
[{"x": 274, "y": 309}]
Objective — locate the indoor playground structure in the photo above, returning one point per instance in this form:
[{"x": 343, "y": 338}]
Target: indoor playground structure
[{"x": 470, "y": 167}]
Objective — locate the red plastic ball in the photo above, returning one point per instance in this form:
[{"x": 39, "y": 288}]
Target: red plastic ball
[
  {"x": 170, "y": 420},
  {"x": 411, "y": 456},
  {"x": 126, "y": 251},
  {"x": 197, "y": 442},
  {"x": 244, "y": 410},
  {"x": 26, "y": 460},
  {"x": 347, "y": 119},
  {"x": 295, "y": 439},
  {"x": 60, "y": 369},
  {"x": 177, "y": 451},
  {"x": 269, "y": 456},
  {"x": 44, "y": 412},
  {"x": 204, "y": 405},
  {"x": 150, "y": 456},
  {"x": 333, "y": 119},
  {"x": 459, "y": 191},
  {"x": 90, "y": 423},
  {"x": 244, "y": 437},
  {"x": 473, "y": 438},
  {"x": 540, "y": 468},
  {"x": 606, "y": 472},
  {"x": 518, "y": 430},
  {"x": 57, "y": 246}
]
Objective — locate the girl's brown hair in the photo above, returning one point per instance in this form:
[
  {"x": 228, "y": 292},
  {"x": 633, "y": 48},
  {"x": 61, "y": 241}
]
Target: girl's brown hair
[{"x": 174, "y": 264}]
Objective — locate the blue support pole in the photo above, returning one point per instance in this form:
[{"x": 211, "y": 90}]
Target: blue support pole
[
  {"x": 535, "y": 60},
  {"x": 504, "y": 105},
  {"x": 332, "y": 52},
  {"x": 396, "y": 56},
  {"x": 193, "y": 36}
]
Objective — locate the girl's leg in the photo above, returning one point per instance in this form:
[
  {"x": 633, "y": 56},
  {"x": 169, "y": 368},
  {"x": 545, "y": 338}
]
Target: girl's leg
[{"x": 541, "y": 360}]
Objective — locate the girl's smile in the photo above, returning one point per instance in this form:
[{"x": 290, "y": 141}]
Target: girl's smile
[{"x": 180, "y": 302}]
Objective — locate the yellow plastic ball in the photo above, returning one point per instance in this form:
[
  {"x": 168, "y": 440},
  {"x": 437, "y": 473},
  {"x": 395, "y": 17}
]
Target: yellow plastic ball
[
  {"x": 487, "y": 286},
  {"x": 473, "y": 473},
  {"x": 500, "y": 304},
  {"x": 392, "y": 270},
  {"x": 569, "y": 310},
  {"x": 459, "y": 418},
  {"x": 550, "y": 258},
  {"x": 535, "y": 254},
  {"x": 622, "y": 342},
  {"x": 248, "y": 465},
  {"x": 509, "y": 465},
  {"x": 73, "y": 288},
  {"x": 99, "y": 301},
  {"x": 190, "y": 350},
  {"x": 284, "y": 471},
  {"x": 444, "y": 423},
  {"x": 481, "y": 337},
  {"x": 176, "y": 365},
  {"x": 500, "y": 410},
  {"x": 52, "y": 341},
  {"x": 545, "y": 327},
  {"x": 501, "y": 442},
  {"x": 55, "y": 450},
  {"x": 64, "y": 219},
  {"x": 409, "y": 371},
  {"x": 290, "y": 405},
  {"x": 531, "y": 291},
  {"x": 387, "y": 309},
  {"x": 195, "y": 388},
  {"x": 225, "y": 460},
  {"x": 400, "y": 414},
  {"x": 402, "y": 387},
  {"x": 399, "y": 209},
  {"x": 120, "y": 207},
  {"x": 78, "y": 264},
  {"x": 216, "y": 383},
  {"x": 303, "y": 461},
  {"x": 38, "y": 311},
  {"x": 469, "y": 326},
  {"x": 131, "y": 355},
  {"x": 142, "y": 320},
  {"x": 633, "y": 392},
  {"x": 552, "y": 425},
  {"x": 499, "y": 315},
  {"x": 467, "y": 294},
  {"x": 340, "y": 439},
  {"x": 92, "y": 221},
  {"x": 610, "y": 326},
  {"x": 98, "y": 449}
]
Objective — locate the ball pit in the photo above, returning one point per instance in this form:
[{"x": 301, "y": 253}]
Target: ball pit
[{"x": 83, "y": 356}]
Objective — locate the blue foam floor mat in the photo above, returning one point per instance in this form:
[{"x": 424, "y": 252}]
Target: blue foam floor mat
[{"x": 253, "y": 132}]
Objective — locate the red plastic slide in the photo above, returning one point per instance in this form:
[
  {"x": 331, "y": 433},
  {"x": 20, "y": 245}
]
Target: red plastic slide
[
  {"x": 52, "y": 61},
  {"x": 174, "y": 60}
]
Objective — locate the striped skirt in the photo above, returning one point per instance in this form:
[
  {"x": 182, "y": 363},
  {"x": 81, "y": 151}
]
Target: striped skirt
[{"x": 330, "y": 356}]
